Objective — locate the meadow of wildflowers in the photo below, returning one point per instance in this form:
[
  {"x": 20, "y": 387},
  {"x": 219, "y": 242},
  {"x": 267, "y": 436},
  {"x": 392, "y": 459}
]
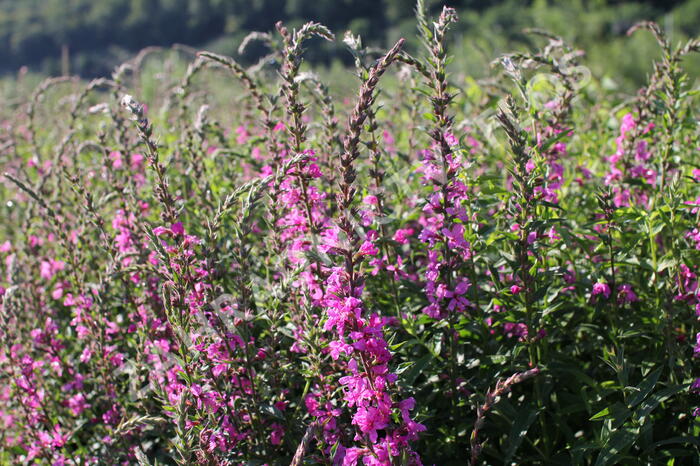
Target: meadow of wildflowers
[{"x": 239, "y": 266}]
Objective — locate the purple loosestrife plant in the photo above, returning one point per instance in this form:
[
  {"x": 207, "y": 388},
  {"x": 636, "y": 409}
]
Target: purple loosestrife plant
[
  {"x": 359, "y": 334},
  {"x": 203, "y": 270}
]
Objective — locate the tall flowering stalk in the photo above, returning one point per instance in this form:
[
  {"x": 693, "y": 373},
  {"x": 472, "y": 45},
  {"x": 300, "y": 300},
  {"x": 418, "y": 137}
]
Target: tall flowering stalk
[
  {"x": 444, "y": 217},
  {"x": 552, "y": 120},
  {"x": 443, "y": 229},
  {"x": 358, "y": 334},
  {"x": 671, "y": 118},
  {"x": 305, "y": 202}
]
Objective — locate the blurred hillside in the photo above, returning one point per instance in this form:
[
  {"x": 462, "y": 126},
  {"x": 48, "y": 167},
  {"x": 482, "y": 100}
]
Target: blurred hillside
[{"x": 94, "y": 35}]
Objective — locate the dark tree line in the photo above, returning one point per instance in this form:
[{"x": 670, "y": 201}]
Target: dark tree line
[{"x": 99, "y": 33}]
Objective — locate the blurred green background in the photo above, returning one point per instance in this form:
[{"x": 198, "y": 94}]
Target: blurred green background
[{"x": 88, "y": 37}]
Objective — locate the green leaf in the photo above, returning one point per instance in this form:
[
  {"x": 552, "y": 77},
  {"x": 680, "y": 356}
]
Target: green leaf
[
  {"x": 416, "y": 369},
  {"x": 618, "y": 413},
  {"x": 601, "y": 414},
  {"x": 666, "y": 263},
  {"x": 656, "y": 399},
  {"x": 272, "y": 411},
  {"x": 619, "y": 441},
  {"x": 674, "y": 440},
  {"x": 517, "y": 432},
  {"x": 645, "y": 387}
]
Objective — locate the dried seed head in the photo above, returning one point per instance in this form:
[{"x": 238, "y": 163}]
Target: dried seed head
[
  {"x": 129, "y": 103},
  {"x": 352, "y": 41}
]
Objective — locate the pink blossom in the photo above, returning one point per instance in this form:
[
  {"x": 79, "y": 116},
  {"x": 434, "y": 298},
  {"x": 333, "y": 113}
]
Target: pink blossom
[
  {"x": 601, "y": 288},
  {"x": 626, "y": 295}
]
